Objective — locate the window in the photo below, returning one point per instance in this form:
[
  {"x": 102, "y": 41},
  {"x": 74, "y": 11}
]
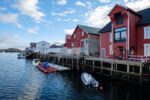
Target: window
[
  {"x": 82, "y": 33},
  {"x": 110, "y": 49},
  {"x": 146, "y": 49},
  {"x": 110, "y": 37},
  {"x": 147, "y": 32},
  {"x": 119, "y": 18},
  {"x": 74, "y": 35},
  {"x": 120, "y": 34}
]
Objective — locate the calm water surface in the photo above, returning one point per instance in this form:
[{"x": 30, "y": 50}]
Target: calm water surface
[{"x": 20, "y": 80}]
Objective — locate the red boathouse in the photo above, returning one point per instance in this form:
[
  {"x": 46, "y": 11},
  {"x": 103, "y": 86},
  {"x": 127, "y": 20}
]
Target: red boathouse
[
  {"x": 68, "y": 41},
  {"x": 127, "y": 36},
  {"x": 84, "y": 41}
]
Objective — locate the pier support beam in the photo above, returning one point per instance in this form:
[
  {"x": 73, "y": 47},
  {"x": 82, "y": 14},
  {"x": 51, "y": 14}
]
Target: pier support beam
[
  {"x": 140, "y": 73},
  {"x": 93, "y": 64},
  {"x": 111, "y": 71},
  {"x": 128, "y": 70},
  {"x": 101, "y": 67},
  {"x": 72, "y": 63}
]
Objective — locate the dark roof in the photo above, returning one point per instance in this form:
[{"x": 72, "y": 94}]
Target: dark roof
[
  {"x": 145, "y": 19},
  {"x": 90, "y": 30},
  {"x": 145, "y": 16},
  {"x": 106, "y": 28},
  {"x": 56, "y": 46}
]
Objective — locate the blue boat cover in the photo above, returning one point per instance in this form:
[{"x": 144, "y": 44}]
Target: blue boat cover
[{"x": 45, "y": 64}]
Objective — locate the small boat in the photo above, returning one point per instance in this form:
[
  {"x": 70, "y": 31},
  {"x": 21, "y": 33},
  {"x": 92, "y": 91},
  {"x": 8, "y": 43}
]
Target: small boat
[
  {"x": 87, "y": 79},
  {"x": 47, "y": 70},
  {"x": 44, "y": 67}
]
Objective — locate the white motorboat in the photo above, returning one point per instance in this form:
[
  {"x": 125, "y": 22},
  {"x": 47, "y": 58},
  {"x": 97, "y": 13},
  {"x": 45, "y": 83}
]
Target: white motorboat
[{"x": 87, "y": 79}]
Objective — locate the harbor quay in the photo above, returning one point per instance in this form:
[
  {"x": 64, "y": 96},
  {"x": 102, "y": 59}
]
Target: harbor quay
[{"x": 131, "y": 71}]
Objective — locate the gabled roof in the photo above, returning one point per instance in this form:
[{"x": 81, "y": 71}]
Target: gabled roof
[
  {"x": 90, "y": 30},
  {"x": 43, "y": 42},
  {"x": 106, "y": 28},
  {"x": 126, "y": 9},
  {"x": 145, "y": 16},
  {"x": 145, "y": 19}
]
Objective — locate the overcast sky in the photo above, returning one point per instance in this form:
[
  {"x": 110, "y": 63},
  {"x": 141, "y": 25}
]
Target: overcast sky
[{"x": 25, "y": 21}]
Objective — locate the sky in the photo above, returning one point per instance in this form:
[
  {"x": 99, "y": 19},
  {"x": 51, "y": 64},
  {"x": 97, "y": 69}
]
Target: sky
[{"x": 25, "y": 21}]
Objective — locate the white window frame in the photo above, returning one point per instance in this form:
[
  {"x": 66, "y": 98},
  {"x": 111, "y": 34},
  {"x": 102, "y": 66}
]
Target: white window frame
[
  {"x": 146, "y": 49},
  {"x": 110, "y": 49},
  {"x": 110, "y": 37},
  {"x": 147, "y": 32}
]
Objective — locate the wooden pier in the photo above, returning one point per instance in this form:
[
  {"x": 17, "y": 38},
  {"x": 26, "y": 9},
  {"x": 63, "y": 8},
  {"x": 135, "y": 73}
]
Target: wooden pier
[{"x": 126, "y": 70}]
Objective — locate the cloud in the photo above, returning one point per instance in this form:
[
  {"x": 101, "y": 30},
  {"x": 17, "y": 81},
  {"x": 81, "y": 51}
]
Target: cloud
[
  {"x": 125, "y": 0},
  {"x": 11, "y": 40},
  {"x": 98, "y": 17},
  {"x": 104, "y": 1},
  {"x": 59, "y": 19},
  {"x": 10, "y": 18},
  {"x": 33, "y": 30},
  {"x": 63, "y": 13},
  {"x": 61, "y": 2},
  {"x": 69, "y": 31},
  {"x": 79, "y": 3},
  {"x": 88, "y": 3},
  {"x": 2, "y": 8},
  {"x": 85, "y": 4},
  {"x": 75, "y": 20},
  {"x": 138, "y": 4},
  {"x": 30, "y": 8}
]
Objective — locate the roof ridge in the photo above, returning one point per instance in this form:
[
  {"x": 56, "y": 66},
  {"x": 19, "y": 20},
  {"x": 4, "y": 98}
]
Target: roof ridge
[{"x": 88, "y": 26}]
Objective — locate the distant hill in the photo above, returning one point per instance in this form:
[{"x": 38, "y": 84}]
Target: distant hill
[{"x": 10, "y": 50}]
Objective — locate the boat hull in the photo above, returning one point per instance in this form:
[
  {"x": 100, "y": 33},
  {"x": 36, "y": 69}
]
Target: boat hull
[
  {"x": 87, "y": 79},
  {"x": 47, "y": 70}
]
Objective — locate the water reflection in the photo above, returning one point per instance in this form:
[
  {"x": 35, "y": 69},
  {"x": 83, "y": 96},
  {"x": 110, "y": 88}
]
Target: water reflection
[{"x": 19, "y": 80}]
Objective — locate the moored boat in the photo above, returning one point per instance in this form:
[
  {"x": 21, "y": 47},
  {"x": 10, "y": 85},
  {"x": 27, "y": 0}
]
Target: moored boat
[
  {"x": 87, "y": 79},
  {"x": 46, "y": 69}
]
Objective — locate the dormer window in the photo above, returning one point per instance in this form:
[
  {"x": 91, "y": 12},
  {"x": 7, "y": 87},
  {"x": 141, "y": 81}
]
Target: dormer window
[{"x": 119, "y": 18}]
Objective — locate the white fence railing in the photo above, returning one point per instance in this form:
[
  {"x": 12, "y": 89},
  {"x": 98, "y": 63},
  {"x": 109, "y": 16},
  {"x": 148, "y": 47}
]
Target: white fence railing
[{"x": 139, "y": 58}]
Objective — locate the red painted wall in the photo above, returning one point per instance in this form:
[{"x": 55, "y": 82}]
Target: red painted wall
[
  {"x": 136, "y": 34},
  {"x": 130, "y": 17},
  {"x": 104, "y": 43},
  {"x": 92, "y": 36},
  {"x": 117, "y": 9},
  {"x": 68, "y": 43},
  {"x": 140, "y": 40},
  {"x": 78, "y": 37}
]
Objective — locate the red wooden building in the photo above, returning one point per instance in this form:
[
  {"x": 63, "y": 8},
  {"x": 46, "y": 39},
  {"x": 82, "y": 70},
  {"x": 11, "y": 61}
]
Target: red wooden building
[
  {"x": 68, "y": 41},
  {"x": 84, "y": 40},
  {"x": 127, "y": 36}
]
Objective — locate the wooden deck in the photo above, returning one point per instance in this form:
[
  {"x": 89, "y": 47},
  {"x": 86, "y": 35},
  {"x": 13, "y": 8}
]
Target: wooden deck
[{"x": 123, "y": 69}]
